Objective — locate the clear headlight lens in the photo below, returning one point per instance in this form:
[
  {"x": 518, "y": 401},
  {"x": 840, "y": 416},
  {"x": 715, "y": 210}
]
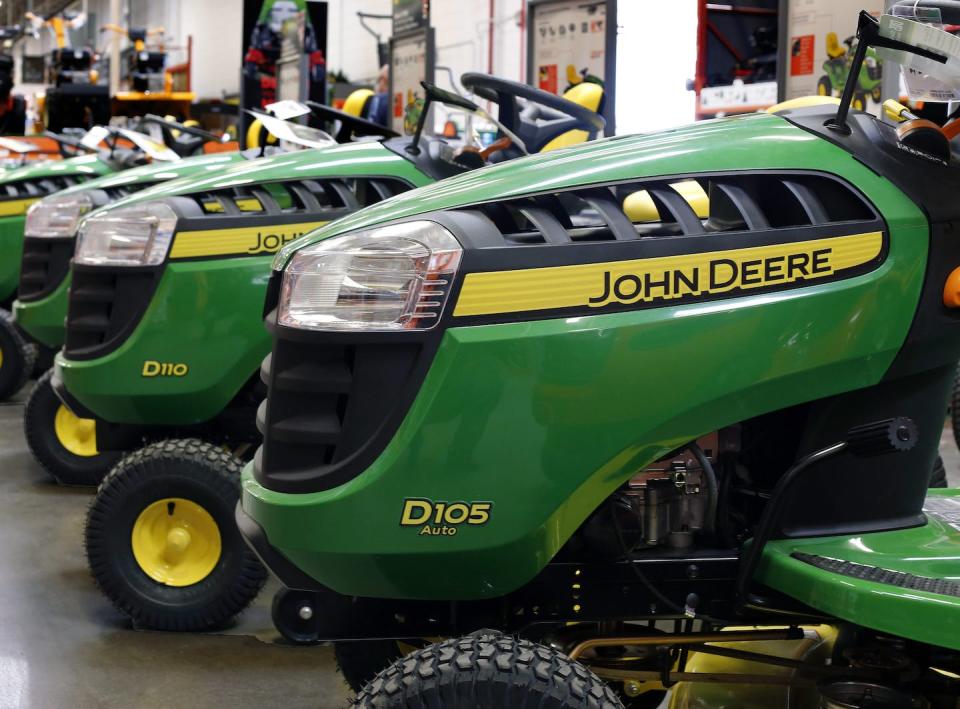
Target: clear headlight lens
[
  {"x": 57, "y": 215},
  {"x": 129, "y": 236},
  {"x": 395, "y": 277}
]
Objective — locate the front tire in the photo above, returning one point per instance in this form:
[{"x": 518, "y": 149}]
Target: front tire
[
  {"x": 824, "y": 87},
  {"x": 487, "y": 672},
  {"x": 162, "y": 542},
  {"x": 64, "y": 444},
  {"x": 16, "y": 357}
]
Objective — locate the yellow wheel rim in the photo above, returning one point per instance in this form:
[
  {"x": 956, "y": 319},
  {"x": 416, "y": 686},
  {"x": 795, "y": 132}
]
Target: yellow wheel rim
[
  {"x": 77, "y": 435},
  {"x": 821, "y": 89},
  {"x": 176, "y": 542}
]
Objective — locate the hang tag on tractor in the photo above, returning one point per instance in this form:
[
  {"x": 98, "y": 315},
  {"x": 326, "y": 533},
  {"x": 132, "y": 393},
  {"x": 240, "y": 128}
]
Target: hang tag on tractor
[
  {"x": 925, "y": 79},
  {"x": 93, "y": 137},
  {"x": 287, "y": 109}
]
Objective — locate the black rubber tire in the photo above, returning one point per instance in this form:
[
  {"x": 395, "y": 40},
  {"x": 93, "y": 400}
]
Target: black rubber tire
[
  {"x": 189, "y": 469},
  {"x": 65, "y": 467},
  {"x": 955, "y": 408},
  {"x": 938, "y": 476},
  {"x": 487, "y": 672},
  {"x": 825, "y": 85},
  {"x": 362, "y": 660},
  {"x": 18, "y": 357}
]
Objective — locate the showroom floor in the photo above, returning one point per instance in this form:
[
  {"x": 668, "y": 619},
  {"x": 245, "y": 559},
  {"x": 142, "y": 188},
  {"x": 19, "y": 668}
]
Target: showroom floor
[{"x": 62, "y": 644}]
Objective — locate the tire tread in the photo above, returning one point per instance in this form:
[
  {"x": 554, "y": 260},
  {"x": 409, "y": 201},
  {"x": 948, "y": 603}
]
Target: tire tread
[
  {"x": 221, "y": 472},
  {"x": 488, "y": 672}
]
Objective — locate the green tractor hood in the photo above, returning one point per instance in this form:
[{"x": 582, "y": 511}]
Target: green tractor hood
[
  {"x": 44, "y": 278},
  {"x": 21, "y": 187},
  {"x": 725, "y": 144},
  {"x": 352, "y": 159}
]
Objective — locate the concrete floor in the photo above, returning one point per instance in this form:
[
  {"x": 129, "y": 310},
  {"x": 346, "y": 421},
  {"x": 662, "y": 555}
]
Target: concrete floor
[{"x": 62, "y": 644}]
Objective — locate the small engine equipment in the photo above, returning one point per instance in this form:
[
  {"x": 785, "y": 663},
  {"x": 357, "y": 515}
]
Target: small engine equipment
[{"x": 665, "y": 505}]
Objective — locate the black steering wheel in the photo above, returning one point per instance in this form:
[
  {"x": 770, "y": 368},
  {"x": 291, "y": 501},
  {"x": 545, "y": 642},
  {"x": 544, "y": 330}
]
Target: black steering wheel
[
  {"x": 64, "y": 142},
  {"x": 561, "y": 114},
  {"x": 350, "y": 125},
  {"x": 180, "y": 146}
]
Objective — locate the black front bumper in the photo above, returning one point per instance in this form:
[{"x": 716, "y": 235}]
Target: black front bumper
[{"x": 281, "y": 567}]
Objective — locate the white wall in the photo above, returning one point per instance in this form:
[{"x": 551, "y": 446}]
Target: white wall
[
  {"x": 218, "y": 44},
  {"x": 461, "y": 28}
]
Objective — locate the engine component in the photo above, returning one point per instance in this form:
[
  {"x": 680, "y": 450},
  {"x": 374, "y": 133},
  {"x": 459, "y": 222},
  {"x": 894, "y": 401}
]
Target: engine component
[{"x": 664, "y": 505}]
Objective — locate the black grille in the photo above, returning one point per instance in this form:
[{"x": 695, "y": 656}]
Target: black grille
[
  {"x": 294, "y": 197},
  {"x": 45, "y": 263},
  {"x": 737, "y": 202},
  {"x": 24, "y": 189},
  {"x": 331, "y": 403},
  {"x": 106, "y": 303}
]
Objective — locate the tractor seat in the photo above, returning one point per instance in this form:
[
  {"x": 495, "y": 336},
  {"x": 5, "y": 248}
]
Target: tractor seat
[
  {"x": 639, "y": 206},
  {"x": 835, "y": 50},
  {"x": 586, "y": 94},
  {"x": 358, "y": 103}
]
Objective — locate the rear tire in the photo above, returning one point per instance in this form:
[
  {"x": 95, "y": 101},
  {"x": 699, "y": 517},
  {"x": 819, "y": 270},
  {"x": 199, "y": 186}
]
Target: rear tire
[
  {"x": 488, "y": 672},
  {"x": 16, "y": 357},
  {"x": 938, "y": 476},
  {"x": 71, "y": 458},
  {"x": 161, "y": 539}
]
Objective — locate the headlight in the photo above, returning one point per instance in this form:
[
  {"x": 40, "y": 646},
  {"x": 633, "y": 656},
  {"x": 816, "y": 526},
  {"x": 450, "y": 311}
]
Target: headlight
[
  {"x": 129, "y": 236},
  {"x": 395, "y": 277},
  {"x": 57, "y": 215}
]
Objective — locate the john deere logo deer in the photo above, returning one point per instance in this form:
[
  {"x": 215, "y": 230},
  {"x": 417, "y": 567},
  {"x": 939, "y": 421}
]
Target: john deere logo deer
[
  {"x": 659, "y": 280},
  {"x": 152, "y": 368},
  {"x": 441, "y": 519}
]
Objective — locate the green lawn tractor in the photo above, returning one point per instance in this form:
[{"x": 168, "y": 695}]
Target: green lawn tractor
[
  {"x": 109, "y": 150},
  {"x": 607, "y": 456},
  {"x": 164, "y": 338},
  {"x": 837, "y": 69},
  {"x": 62, "y": 443}
]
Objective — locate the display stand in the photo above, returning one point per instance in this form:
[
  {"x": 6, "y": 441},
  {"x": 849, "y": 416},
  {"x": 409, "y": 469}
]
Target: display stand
[
  {"x": 571, "y": 41},
  {"x": 412, "y": 60}
]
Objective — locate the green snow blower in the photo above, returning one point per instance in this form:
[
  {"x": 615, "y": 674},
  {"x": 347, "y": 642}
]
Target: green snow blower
[
  {"x": 164, "y": 338},
  {"x": 607, "y": 455}
]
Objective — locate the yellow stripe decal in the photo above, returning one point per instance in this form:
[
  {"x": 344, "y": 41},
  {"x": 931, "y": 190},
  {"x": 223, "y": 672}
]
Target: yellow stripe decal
[
  {"x": 664, "y": 278},
  {"x": 13, "y": 207},
  {"x": 239, "y": 241}
]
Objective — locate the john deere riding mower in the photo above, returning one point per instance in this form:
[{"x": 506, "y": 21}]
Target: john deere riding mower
[
  {"x": 164, "y": 337},
  {"x": 500, "y": 406},
  {"x": 62, "y": 443},
  {"x": 110, "y": 150}
]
